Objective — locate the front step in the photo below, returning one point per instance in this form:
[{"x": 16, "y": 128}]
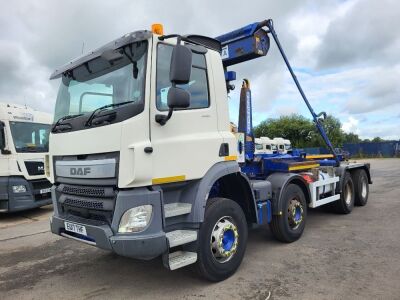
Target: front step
[
  {"x": 177, "y": 209},
  {"x": 180, "y": 237},
  {"x": 181, "y": 259}
]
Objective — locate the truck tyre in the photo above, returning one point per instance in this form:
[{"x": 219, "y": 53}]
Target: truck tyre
[
  {"x": 222, "y": 239},
  {"x": 288, "y": 226},
  {"x": 361, "y": 187},
  {"x": 346, "y": 202}
]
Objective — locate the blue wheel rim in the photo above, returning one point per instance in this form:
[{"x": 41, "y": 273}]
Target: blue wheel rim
[
  {"x": 228, "y": 240},
  {"x": 297, "y": 216}
]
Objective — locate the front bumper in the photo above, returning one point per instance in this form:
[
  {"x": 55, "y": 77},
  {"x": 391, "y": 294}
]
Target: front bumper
[
  {"x": 146, "y": 245},
  {"x": 32, "y": 198}
]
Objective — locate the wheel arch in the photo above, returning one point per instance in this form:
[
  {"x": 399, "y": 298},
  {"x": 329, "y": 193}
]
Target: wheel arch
[
  {"x": 279, "y": 182},
  {"x": 225, "y": 180}
]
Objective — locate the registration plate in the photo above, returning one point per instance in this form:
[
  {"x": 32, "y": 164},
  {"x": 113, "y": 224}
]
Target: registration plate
[
  {"x": 44, "y": 191},
  {"x": 79, "y": 229}
]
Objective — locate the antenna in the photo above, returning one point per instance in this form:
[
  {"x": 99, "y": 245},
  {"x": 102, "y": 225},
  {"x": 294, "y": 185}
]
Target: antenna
[{"x": 83, "y": 46}]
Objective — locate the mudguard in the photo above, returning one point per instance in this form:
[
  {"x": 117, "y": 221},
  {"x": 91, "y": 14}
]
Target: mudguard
[{"x": 279, "y": 182}]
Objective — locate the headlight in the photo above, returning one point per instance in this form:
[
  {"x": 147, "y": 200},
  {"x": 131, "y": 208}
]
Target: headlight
[
  {"x": 18, "y": 189},
  {"x": 135, "y": 219}
]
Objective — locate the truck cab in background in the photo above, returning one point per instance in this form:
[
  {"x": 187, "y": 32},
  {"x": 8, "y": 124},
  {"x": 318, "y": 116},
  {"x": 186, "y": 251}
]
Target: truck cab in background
[
  {"x": 265, "y": 145},
  {"x": 284, "y": 146},
  {"x": 24, "y": 135}
]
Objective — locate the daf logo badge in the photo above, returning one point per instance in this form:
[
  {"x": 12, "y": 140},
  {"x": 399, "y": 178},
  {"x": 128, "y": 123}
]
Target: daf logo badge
[{"x": 79, "y": 171}]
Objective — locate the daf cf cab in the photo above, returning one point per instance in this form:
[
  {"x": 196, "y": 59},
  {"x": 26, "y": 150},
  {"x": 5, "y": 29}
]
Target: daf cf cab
[
  {"x": 24, "y": 136},
  {"x": 144, "y": 163},
  {"x": 265, "y": 145}
]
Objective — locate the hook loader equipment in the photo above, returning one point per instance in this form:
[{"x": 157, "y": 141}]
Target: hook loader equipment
[{"x": 144, "y": 164}]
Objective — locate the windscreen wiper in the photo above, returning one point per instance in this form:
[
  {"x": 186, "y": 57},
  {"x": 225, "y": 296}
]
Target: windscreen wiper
[
  {"x": 93, "y": 114},
  {"x": 60, "y": 120}
]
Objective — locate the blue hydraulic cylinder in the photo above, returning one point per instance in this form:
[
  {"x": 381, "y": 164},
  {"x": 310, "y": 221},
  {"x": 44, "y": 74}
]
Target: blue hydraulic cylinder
[{"x": 246, "y": 120}]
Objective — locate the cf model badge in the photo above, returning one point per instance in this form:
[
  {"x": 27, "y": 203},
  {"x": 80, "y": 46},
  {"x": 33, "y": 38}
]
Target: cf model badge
[{"x": 79, "y": 171}]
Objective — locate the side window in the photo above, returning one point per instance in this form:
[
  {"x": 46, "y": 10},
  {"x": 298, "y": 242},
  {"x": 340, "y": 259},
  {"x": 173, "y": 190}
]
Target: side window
[
  {"x": 268, "y": 147},
  {"x": 197, "y": 86},
  {"x": 2, "y": 137}
]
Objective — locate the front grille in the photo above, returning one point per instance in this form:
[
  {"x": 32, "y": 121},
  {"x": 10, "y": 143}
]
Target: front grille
[
  {"x": 34, "y": 167},
  {"x": 84, "y": 204},
  {"x": 44, "y": 196},
  {"x": 40, "y": 184},
  {"x": 87, "y": 202},
  {"x": 84, "y": 191}
]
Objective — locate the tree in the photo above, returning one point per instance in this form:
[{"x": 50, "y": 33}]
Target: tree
[
  {"x": 333, "y": 129},
  {"x": 301, "y": 131},
  {"x": 377, "y": 140},
  {"x": 295, "y": 128},
  {"x": 351, "y": 138}
]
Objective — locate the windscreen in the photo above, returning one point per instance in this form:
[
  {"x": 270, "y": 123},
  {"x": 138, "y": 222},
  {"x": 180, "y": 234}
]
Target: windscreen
[
  {"x": 30, "y": 137},
  {"x": 103, "y": 81}
]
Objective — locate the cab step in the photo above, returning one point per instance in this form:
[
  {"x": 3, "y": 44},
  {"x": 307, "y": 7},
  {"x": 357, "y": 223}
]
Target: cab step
[
  {"x": 177, "y": 209},
  {"x": 181, "y": 237},
  {"x": 181, "y": 259}
]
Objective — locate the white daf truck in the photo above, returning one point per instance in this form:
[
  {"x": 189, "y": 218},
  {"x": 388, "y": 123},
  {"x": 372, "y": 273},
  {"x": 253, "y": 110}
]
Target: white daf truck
[
  {"x": 143, "y": 161},
  {"x": 24, "y": 134}
]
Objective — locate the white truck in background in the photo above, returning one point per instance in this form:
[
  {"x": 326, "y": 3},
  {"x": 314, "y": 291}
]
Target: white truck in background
[
  {"x": 284, "y": 145},
  {"x": 24, "y": 139},
  {"x": 265, "y": 145}
]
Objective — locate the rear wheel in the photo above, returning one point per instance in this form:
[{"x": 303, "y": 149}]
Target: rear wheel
[
  {"x": 289, "y": 226},
  {"x": 346, "y": 202},
  {"x": 222, "y": 239},
  {"x": 361, "y": 187}
]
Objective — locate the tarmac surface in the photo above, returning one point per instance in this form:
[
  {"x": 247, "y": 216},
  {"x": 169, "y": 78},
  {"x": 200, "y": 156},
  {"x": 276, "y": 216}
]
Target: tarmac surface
[{"x": 354, "y": 256}]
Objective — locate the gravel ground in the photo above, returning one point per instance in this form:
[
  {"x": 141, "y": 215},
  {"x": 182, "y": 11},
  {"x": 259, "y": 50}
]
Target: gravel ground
[{"x": 354, "y": 256}]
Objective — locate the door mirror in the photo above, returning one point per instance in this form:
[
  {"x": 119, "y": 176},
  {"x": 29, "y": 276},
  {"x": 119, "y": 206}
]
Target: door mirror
[
  {"x": 179, "y": 73},
  {"x": 178, "y": 98},
  {"x": 181, "y": 65},
  {"x": 3, "y": 140}
]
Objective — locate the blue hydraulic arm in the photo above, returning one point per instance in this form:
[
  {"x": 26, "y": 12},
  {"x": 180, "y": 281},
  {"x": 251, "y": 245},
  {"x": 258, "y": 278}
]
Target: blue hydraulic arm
[
  {"x": 269, "y": 23},
  {"x": 251, "y": 42}
]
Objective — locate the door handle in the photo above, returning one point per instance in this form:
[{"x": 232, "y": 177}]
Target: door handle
[{"x": 148, "y": 150}]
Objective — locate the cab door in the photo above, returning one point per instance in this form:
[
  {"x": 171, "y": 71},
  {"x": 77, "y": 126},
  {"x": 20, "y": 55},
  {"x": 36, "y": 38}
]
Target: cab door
[{"x": 188, "y": 144}]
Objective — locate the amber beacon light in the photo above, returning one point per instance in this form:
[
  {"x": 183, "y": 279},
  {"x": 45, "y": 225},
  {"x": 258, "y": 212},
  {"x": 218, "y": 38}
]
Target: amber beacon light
[{"x": 157, "y": 29}]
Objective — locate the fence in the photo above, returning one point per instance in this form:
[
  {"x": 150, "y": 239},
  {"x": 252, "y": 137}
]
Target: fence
[{"x": 378, "y": 149}]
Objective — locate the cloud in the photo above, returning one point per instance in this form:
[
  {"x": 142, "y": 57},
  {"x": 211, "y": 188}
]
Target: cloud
[
  {"x": 345, "y": 52},
  {"x": 366, "y": 33},
  {"x": 351, "y": 125}
]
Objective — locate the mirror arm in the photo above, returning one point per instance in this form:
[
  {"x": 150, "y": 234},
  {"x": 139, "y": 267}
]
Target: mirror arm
[{"x": 163, "y": 119}]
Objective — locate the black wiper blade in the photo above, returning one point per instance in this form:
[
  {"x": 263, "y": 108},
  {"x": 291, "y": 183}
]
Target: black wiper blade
[
  {"x": 89, "y": 121},
  {"x": 60, "y": 120}
]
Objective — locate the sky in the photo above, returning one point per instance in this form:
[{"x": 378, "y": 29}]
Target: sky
[{"x": 346, "y": 54}]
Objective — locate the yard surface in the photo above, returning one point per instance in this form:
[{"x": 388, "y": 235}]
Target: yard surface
[{"x": 354, "y": 256}]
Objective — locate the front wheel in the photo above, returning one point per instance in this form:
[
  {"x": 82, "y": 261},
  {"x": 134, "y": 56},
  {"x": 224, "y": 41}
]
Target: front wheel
[
  {"x": 289, "y": 225},
  {"x": 222, "y": 239}
]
